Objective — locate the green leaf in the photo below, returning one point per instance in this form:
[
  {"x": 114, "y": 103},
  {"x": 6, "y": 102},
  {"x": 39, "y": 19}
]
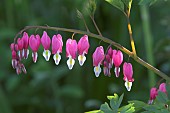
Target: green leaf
[
  {"x": 92, "y": 6},
  {"x": 117, "y": 3},
  {"x": 147, "y": 2},
  {"x": 127, "y": 109},
  {"x": 105, "y": 108},
  {"x": 120, "y": 100},
  {"x": 146, "y": 112},
  {"x": 162, "y": 97},
  {"x": 154, "y": 108},
  {"x": 94, "y": 111},
  {"x": 138, "y": 104}
]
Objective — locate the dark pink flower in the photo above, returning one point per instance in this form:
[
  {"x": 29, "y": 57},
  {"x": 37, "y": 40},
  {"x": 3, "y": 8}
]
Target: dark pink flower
[
  {"x": 46, "y": 41},
  {"x": 128, "y": 73},
  {"x": 106, "y": 70},
  {"x": 25, "y": 38},
  {"x": 162, "y": 87},
  {"x": 153, "y": 94},
  {"x": 83, "y": 46},
  {"x": 14, "y": 47},
  {"x": 98, "y": 57},
  {"x": 110, "y": 52},
  {"x": 57, "y": 44},
  {"x": 34, "y": 43},
  {"x": 20, "y": 43},
  {"x": 71, "y": 51},
  {"x": 117, "y": 59},
  {"x": 14, "y": 59}
]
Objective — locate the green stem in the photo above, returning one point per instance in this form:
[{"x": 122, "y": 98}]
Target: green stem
[
  {"x": 148, "y": 42},
  {"x": 104, "y": 39}
]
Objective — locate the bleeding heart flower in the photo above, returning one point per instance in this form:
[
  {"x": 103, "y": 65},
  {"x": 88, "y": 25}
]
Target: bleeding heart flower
[
  {"x": 98, "y": 57},
  {"x": 117, "y": 59},
  {"x": 34, "y": 43},
  {"x": 162, "y": 87},
  {"x": 20, "y": 43},
  {"x": 46, "y": 41},
  {"x": 14, "y": 47},
  {"x": 26, "y": 44},
  {"x": 71, "y": 51},
  {"x": 83, "y": 46},
  {"x": 128, "y": 73},
  {"x": 57, "y": 44},
  {"x": 153, "y": 94},
  {"x": 14, "y": 59}
]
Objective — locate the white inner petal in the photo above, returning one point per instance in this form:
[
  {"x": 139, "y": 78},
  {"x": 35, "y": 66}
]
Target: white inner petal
[
  {"x": 70, "y": 63},
  {"x": 27, "y": 53},
  {"x": 117, "y": 71},
  {"x": 81, "y": 59},
  {"x": 47, "y": 55},
  {"x": 97, "y": 70},
  {"x": 23, "y": 52},
  {"x": 57, "y": 58},
  {"x": 34, "y": 57},
  {"x": 128, "y": 85}
]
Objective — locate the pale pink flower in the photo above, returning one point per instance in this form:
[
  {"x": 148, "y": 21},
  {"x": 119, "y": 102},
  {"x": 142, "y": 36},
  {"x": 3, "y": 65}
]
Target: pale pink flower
[
  {"x": 83, "y": 46},
  {"x": 98, "y": 57},
  {"x": 71, "y": 52}
]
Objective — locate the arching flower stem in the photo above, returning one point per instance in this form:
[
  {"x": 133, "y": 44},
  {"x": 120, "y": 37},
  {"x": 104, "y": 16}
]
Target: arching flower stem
[{"x": 104, "y": 39}]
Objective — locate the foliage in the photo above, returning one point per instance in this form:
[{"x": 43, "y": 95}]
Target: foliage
[
  {"x": 48, "y": 88},
  {"x": 161, "y": 105}
]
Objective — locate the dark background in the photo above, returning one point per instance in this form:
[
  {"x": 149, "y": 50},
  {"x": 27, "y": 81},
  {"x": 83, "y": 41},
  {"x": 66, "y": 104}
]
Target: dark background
[{"x": 48, "y": 88}]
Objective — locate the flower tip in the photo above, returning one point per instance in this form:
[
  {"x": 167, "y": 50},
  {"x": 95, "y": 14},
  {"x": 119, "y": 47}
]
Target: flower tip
[
  {"x": 57, "y": 58},
  {"x": 81, "y": 59},
  {"x": 70, "y": 63},
  {"x": 128, "y": 85},
  {"x": 47, "y": 55},
  {"x": 117, "y": 71},
  {"x": 97, "y": 70}
]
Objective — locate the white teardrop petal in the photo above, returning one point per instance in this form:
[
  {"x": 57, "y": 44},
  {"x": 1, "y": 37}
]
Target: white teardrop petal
[
  {"x": 117, "y": 71},
  {"x": 34, "y": 56},
  {"x": 70, "y": 63},
  {"x": 27, "y": 53},
  {"x": 81, "y": 59},
  {"x": 57, "y": 58},
  {"x": 128, "y": 85},
  {"x": 97, "y": 70},
  {"x": 47, "y": 55}
]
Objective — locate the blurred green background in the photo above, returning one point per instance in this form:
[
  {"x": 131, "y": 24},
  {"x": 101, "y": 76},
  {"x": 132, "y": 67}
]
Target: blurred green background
[{"x": 48, "y": 88}]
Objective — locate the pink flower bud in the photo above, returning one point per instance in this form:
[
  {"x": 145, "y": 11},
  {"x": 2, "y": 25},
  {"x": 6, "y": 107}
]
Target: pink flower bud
[
  {"x": 20, "y": 43},
  {"x": 25, "y": 38},
  {"x": 71, "y": 51},
  {"x": 153, "y": 94},
  {"x": 98, "y": 57},
  {"x": 110, "y": 52},
  {"x": 162, "y": 87},
  {"x": 117, "y": 59},
  {"x": 14, "y": 47},
  {"x": 57, "y": 44},
  {"x": 34, "y": 43},
  {"x": 83, "y": 46},
  {"x": 45, "y": 41},
  {"x": 128, "y": 73}
]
